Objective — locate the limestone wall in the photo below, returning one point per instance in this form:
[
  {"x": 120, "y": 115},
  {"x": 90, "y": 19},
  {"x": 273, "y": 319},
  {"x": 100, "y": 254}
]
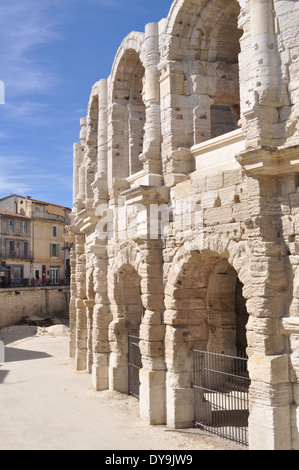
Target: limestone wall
[
  {"x": 184, "y": 226},
  {"x": 45, "y": 302}
]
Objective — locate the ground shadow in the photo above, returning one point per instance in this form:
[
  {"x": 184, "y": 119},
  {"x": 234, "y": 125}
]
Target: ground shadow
[
  {"x": 16, "y": 355},
  {"x": 3, "y": 375}
]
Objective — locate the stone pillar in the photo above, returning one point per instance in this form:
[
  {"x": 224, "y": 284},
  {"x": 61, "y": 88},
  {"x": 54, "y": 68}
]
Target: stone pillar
[
  {"x": 151, "y": 95},
  {"x": 290, "y": 327},
  {"x": 80, "y": 200},
  {"x": 101, "y": 319},
  {"x": 269, "y": 93},
  {"x": 270, "y": 399},
  {"x": 176, "y": 122},
  {"x": 89, "y": 304},
  {"x": 100, "y": 183},
  {"x": 72, "y": 314},
  {"x": 153, "y": 373},
  {"x": 81, "y": 319},
  {"x": 201, "y": 118},
  {"x": 91, "y": 157},
  {"x": 267, "y": 293},
  {"x": 77, "y": 162}
]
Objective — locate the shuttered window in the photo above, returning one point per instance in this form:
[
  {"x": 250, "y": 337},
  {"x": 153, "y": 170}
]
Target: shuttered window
[{"x": 54, "y": 250}]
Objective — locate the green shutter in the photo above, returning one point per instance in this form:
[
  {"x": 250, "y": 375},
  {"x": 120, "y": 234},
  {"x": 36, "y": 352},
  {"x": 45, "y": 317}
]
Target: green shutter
[{"x": 51, "y": 250}]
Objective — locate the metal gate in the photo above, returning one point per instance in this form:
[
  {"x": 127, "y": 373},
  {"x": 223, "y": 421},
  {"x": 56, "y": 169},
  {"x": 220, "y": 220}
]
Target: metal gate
[
  {"x": 221, "y": 387},
  {"x": 135, "y": 365}
]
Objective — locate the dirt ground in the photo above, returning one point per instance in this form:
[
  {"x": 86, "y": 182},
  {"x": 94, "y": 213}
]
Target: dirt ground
[{"x": 46, "y": 405}]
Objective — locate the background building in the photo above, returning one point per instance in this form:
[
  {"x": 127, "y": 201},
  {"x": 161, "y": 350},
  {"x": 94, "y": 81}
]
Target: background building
[
  {"x": 15, "y": 248},
  {"x": 33, "y": 250}
]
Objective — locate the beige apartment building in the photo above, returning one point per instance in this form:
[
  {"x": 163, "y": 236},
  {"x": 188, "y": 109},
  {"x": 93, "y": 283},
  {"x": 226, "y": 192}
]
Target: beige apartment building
[
  {"x": 33, "y": 250},
  {"x": 15, "y": 248}
]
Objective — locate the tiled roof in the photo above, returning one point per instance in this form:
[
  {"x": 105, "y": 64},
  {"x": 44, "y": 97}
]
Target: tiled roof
[
  {"x": 12, "y": 214},
  {"x": 33, "y": 200}
]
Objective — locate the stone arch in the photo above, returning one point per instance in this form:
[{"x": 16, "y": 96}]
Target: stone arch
[
  {"x": 127, "y": 312},
  {"x": 202, "y": 46},
  {"x": 202, "y": 311},
  {"x": 128, "y": 114},
  {"x": 198, "y": 24}
]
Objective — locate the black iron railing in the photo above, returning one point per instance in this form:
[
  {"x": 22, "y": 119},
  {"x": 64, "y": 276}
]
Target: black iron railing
[
  {"x": 135, "y": 364},
  {"x": 221, "y": 387}
]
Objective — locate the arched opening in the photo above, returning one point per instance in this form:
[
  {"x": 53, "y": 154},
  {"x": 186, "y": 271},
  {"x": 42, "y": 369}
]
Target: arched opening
[
  {"x": 128, "y": 313},
  {"x": 206, "y": 311},
  {"x": 128, "y": 116},
  {"x": 204, "y": 47},
  {"x": 218, "y": 49},
  {"x": 225, "y": 49},
  {"x": 227, "y": 314}
]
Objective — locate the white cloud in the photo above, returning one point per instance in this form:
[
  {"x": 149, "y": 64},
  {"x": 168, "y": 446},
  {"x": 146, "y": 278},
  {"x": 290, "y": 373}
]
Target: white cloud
[
  {"x": 24, "y": 176},
  {"x": 23, "y": 26},
  {"x": 12, "y": 179}
]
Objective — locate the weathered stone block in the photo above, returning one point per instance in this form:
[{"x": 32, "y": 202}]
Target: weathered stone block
[{"x": 269, "y": 369}]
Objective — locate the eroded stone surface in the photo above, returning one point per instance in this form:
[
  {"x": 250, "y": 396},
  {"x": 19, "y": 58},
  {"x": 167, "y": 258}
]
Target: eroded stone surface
[{"x": 185, "y": 221}]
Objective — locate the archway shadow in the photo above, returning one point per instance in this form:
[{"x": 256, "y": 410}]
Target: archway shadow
[
  {"x": 17, "y": 355},
  {"x": 3, "y": 375}
]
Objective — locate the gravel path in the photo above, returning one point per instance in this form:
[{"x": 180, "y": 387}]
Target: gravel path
[{"x": 47, "y": 405}]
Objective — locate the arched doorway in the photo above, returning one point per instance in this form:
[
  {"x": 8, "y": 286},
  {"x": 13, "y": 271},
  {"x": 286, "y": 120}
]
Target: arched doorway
[
  {"x": 227, "y": 314},
  {"x": 127, "y": 313},
  {"x": 206, "y": 312}
]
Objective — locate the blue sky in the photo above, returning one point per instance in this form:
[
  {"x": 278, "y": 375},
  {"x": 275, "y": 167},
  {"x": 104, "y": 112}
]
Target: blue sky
[{"x": 52, "y": 52}]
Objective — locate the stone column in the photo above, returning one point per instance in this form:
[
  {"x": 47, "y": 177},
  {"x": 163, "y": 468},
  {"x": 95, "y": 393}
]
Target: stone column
[
  {"x": 77, "y": 162},
  {"x": 267, "y": 293},
  {"x": 201, "y": 117},
  {"x": 100, "y": 183},
  {"x": 81, "y": 319},
  {"x": 80, "y": 200},
  {"x": 72, "y": 314},
  {"x": 176, "y": 122},
  {"x": 89, "y": 304},
  {"x": 269, "y": 94},
  {"x": 90, "y": 158},
  {"x": 101, "y": 319},
  {"x": 151, "y": 155},
  {"x": 153, "y": 374}
]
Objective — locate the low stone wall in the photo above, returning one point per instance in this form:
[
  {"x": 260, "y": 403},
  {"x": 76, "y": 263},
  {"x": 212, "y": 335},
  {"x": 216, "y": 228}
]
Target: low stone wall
[{"x": 44, "y": 302}]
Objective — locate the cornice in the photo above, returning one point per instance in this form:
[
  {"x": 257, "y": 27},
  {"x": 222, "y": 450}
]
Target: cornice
[{"x": 270, "y": 161}]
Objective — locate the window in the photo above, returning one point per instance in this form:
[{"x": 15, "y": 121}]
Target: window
[
  {"x": 12, "y": 252},
  {"x": 54, "y": 250},
  {"x": 54, "y": 231},
  {"x": 24, "y": 250},
  {"x": 11, "y": 225},
  {"x": 24, "y": 226},
  {"x": 10, "y": 249},
  {"x": 54, "y": 275}
]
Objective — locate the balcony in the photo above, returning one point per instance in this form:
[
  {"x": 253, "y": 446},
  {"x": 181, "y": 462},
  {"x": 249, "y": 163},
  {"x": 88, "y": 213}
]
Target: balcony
[{"x": 14, "y": 255}]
